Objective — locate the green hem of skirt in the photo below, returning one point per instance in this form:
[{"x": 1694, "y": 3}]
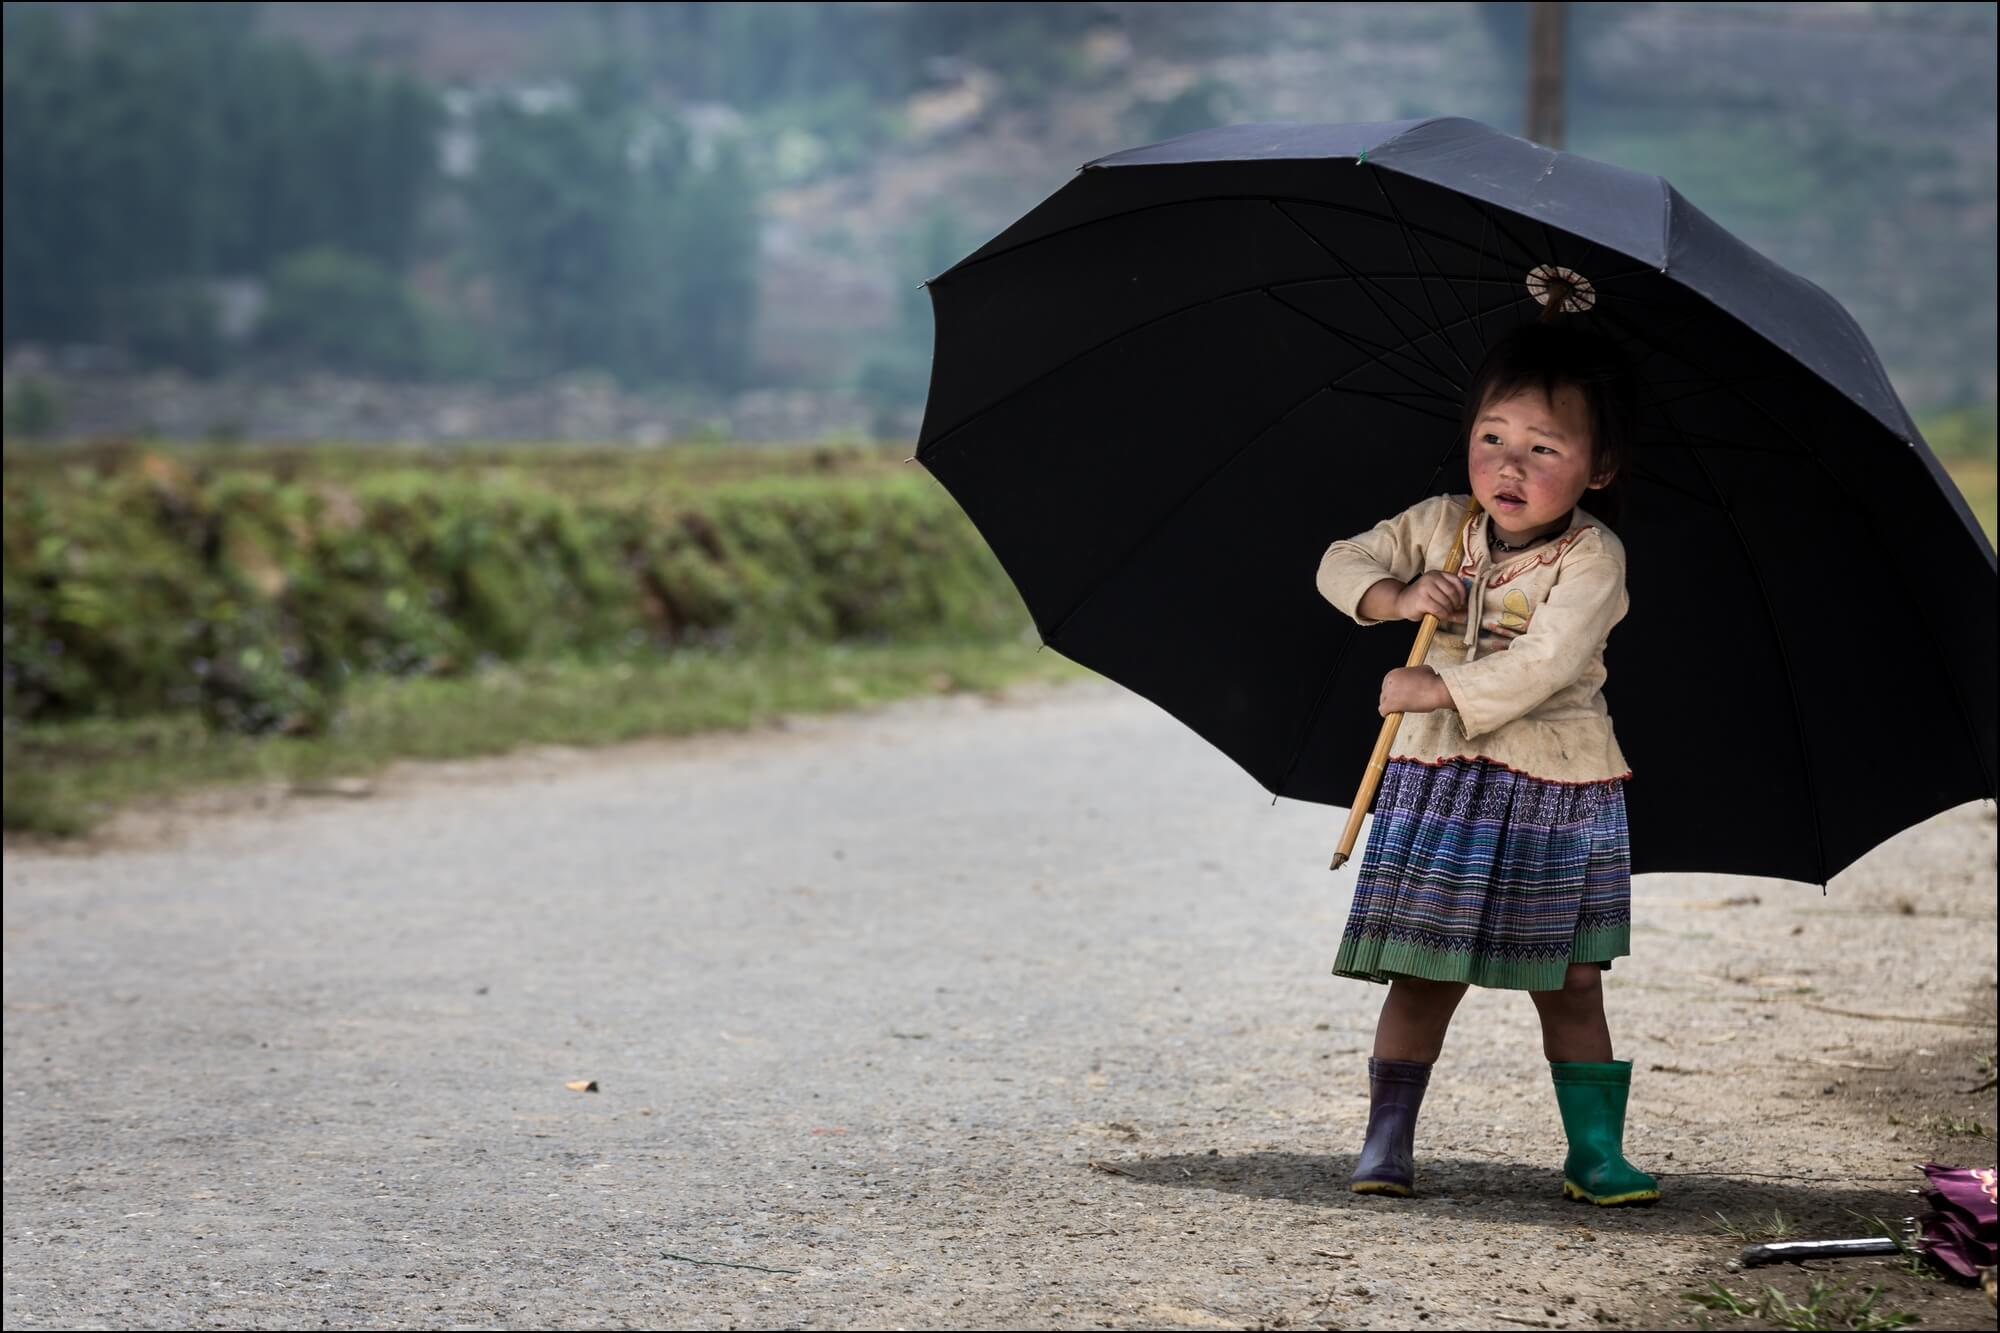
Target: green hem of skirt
[{"x": 1385, "y": 960}]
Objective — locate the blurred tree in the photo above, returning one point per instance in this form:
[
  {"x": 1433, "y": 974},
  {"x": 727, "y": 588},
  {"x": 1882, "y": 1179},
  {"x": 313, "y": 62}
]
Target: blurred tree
[
  {"x": 31, "y": 408},
  {"x": 44, "y": 233},
  {"x": 546, "y": 205},
  {"x": 166, "y": 322},
  {"x": 612, "y": 249},
  {"x": 344, "y": 311},
  {"x": 777, "y": 50},
  {"x": 170, "y": 144},
  {"x": 826, "y": 61},
  {"x": 1032, "y": 46},
  {"x": 896, "y": 374},
  {"x": 714, "y": 226}
]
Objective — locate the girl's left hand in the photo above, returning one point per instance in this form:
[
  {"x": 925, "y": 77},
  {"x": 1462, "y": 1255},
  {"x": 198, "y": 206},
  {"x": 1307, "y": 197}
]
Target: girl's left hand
[{"x": 1412, "y": 690}]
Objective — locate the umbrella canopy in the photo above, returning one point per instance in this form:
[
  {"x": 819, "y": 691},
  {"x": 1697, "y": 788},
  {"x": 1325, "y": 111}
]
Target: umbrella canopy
[{"x": 1163, "y": 393}]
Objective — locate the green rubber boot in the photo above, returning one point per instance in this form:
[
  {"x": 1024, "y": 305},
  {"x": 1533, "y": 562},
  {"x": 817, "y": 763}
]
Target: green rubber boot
[{"x": 1592, "y": 1098}]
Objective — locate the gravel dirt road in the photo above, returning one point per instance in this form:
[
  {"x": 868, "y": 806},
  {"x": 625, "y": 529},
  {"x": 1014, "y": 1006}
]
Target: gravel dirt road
[{"x": 994, "y": 1011}]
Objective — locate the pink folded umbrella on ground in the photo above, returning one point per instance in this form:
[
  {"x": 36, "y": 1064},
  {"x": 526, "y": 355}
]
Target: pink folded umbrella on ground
[{"x": 1962, "y": 1230}]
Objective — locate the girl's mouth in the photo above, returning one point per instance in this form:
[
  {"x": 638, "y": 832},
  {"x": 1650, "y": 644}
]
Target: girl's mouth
[{"x": 1508, "y": 500}]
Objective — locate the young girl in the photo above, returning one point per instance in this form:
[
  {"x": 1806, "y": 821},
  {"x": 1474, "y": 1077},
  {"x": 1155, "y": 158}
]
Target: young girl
[{"x": 1498, "y": 855}]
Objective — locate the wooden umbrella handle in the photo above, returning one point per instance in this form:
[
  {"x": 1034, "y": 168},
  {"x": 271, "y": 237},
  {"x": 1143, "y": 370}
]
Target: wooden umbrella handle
[{"x": 1371, "y": 777}]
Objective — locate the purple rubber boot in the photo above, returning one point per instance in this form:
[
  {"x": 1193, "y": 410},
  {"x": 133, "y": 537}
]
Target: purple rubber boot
[{"x": 1395, "y": 1091}]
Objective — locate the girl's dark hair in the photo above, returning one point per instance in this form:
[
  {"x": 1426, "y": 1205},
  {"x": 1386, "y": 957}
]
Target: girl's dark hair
[{"x": 1546, "y": 356}]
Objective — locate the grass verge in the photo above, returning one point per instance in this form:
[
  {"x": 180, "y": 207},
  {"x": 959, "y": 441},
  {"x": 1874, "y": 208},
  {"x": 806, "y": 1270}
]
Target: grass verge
[
  {"x": 1776, "y": 1226},
  {"x": 1978, "y": 482},
  {"x": 1826, "y": 1305},
  {"x": 63, "y": 780}
]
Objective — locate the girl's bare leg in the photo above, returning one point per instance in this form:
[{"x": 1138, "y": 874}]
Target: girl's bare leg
[
  {"x": 1414, "y": 1019},
  {"x": 1573, "y": 1026}
]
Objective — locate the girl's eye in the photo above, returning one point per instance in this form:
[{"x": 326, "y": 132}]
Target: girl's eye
[{"x": 1491, "y": 438}]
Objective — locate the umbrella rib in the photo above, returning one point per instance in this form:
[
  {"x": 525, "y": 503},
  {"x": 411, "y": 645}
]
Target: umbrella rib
[
  {"x": 1411, "y": 250},
  {"x": 924, "y": 451},
  {"x": 1479, "y": 261},
  {"x": 1049, "y": 639},
  {"x": 1930, "y": 635},
  {"x": 1368, "y": 282},
  {"x": 1451, "y": 447},
  {"x": 1302, "y": 200},
  {"x": 1366, "y": 345},
  {"x": 1659, "y": 349},
  {"x": 1701, "y": 385},
  {"x": 1392, "y": 398},
  {"x": 1524, "y": 295},
  {"x": 1771, "y": 619},
  {"x": 1549, "y": 257},
  {"x": 1640, "y": 474},
  {"x": 1266, "y": 288},
  {"x": 1609, "y": 294},
  {"x": 1318, "y": 705},
  {"x": 1329, "y": 386},
  {"x": 1706, "y": 305},
  {"x": 1277, "y": 202},
  {"x": 1730, "y": 446}
]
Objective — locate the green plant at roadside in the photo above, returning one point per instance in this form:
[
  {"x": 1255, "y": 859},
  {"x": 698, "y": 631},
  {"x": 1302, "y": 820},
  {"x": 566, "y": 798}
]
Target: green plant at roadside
[
  {"x": 1910, "y": 1261},
  {"x": 1774, "y": 1227},
  {"x": 1826, "y": 1306},
  {"x": 32, "y": 409},
  {"x": 1960, "y": 432},
  {"x": 253, "y": 591}
]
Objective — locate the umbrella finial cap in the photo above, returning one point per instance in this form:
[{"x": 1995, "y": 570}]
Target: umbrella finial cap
[{"x": 1560, "y": 290}]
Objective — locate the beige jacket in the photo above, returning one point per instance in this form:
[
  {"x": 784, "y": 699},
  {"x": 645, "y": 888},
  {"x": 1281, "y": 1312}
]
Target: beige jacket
[{"x": 1526, "y": 691}]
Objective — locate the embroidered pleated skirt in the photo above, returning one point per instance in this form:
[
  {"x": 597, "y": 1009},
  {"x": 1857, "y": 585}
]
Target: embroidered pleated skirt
[{"x": 1476, "y": 873}]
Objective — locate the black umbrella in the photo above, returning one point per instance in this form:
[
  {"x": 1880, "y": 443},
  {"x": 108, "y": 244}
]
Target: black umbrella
[{"x": 1162, "y": 393}]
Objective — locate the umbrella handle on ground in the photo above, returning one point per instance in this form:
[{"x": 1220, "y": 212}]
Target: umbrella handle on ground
[{"x": 1371, "y": 777}]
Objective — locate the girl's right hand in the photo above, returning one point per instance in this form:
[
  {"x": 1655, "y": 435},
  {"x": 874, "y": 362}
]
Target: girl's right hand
[{"x": 1435, "y": 593}]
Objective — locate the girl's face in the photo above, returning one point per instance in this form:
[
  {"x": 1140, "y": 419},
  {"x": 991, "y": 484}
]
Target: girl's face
[{"x": 1530, "y": 460}]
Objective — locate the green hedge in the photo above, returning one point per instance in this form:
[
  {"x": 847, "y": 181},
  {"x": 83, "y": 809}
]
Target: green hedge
[{"x": 137, "y": 584}]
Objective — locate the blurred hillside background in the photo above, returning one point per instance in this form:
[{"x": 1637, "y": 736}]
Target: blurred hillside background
[
  {"x": 377, "y": 376},
  {"x": 653, "y": 222}
]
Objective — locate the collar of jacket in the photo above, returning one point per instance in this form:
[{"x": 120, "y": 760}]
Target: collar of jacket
[{"x": 1484, "y": 564}]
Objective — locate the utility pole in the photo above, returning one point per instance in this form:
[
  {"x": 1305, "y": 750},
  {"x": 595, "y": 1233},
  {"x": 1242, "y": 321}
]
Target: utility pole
[{"x": 1546, "y": 22}]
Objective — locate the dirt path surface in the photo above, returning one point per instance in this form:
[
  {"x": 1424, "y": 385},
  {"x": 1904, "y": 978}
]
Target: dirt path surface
[{"x": 865, "y": 997}]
